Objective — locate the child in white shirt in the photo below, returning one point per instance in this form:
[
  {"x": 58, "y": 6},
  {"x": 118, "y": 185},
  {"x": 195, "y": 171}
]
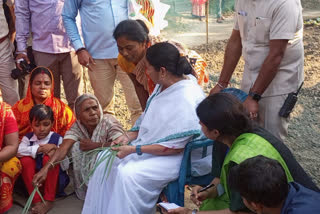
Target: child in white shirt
[{"x": 35, "y": 151}]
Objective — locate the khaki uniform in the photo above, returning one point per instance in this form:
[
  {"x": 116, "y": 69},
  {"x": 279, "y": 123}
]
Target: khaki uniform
[
  {"x": 8, "y": 86},
  {"x": 102, "y": 78},
  {"x": 260, "y": 21}
]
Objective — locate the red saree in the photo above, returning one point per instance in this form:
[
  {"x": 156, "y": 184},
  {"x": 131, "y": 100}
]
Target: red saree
[
  {"x": 9, "y": 170},
  {"x": 63, "y": 115}
]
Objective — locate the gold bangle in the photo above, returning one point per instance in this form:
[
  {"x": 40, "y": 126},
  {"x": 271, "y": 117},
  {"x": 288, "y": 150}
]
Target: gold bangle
[{"x": 52, "y": 164}]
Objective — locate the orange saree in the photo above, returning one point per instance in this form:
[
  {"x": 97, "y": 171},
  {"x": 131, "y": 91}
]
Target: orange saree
[
  {"x": 139, "y": 70},
  {"x": 9, "y": 170},
  {"x": 63, "y": 115}
]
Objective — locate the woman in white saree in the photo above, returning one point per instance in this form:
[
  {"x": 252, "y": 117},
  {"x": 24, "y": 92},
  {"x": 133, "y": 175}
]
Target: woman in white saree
[{"x": 152, "y": 158}]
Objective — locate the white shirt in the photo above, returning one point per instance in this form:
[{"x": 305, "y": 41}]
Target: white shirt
[{"x": 26, "y": 150}]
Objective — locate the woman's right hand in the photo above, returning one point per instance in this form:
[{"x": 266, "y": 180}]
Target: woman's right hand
[
  {"x": 122, "y": 140},
  {"x": 40, "y": 177},
  {"x": 197, "y": 197}
]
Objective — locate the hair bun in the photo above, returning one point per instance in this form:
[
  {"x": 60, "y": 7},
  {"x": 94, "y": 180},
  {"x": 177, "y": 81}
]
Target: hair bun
[{"x": 183, "y": 66}]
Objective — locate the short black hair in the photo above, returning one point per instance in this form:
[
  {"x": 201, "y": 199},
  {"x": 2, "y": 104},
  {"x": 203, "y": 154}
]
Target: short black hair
[
  {"x": 225, "y": 113},
  {"x": 260, "y": 180},
  {"x": 41, "y": 112},
  {"x": 166, "y": 55},
  {"x": 134, "y": 30}
]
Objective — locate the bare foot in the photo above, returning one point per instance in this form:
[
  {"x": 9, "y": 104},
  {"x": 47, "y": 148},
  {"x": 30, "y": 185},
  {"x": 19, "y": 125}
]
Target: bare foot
[
  {"x": 42, "y": 208},
  {"x": 35, "y": 208}
]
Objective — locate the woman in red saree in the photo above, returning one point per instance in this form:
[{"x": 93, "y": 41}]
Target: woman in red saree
[
  {"x": 10, "y": 166},
  {"x": 40, "y": 91}
]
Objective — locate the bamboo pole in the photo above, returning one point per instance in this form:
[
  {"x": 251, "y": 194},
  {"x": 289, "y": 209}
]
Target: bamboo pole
[{"x": 207, "y": 23}]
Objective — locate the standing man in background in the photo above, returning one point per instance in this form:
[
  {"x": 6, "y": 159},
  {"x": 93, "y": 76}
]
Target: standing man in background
[
  {"x": 8, "y": 86},
  {"x": 269, "y": 36},
  {"x": 50, "y": 44},
  {"x": 99, "y": 51}
]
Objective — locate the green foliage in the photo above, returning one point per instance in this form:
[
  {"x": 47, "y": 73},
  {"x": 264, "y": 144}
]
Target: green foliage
[{"x": 29, "y": 201}]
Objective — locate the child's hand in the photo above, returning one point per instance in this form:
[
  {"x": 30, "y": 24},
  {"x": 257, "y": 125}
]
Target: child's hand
[{"x": 46, "y": 148}]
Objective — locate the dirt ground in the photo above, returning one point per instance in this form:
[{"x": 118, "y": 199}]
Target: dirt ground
[{"x": 304, "y": 129}]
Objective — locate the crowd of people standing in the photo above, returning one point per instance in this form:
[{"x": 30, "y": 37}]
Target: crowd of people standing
[{"x": 161, "y": 81}]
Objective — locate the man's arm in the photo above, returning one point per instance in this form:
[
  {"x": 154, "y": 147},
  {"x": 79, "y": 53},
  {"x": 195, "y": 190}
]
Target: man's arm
[
  {"x": 267, "y": 72},
  {"x": 270, "y": 65},
  {"x": 23, "y": 15},
  {"x": 231, "y": 59},
  {"x": 11, "y": 21},
  {"x": 69, "y": 14}
]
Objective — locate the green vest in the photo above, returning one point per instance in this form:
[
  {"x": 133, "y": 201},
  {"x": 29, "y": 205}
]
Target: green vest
[{"x": 246, "y": 146}]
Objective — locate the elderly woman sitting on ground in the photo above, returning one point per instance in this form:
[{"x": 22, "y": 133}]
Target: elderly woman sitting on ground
[{"x": 91, "y": 130}]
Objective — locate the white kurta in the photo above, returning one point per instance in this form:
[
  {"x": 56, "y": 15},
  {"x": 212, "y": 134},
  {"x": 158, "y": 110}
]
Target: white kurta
[{"x": 135, "y": 182}]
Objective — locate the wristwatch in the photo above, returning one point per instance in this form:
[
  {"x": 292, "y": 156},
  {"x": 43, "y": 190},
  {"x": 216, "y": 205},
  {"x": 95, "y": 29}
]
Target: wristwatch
[
  {"x": 138, "y": 150},
  {"x": 194, "y": 211},
  {"x": 254, "y": 96}
]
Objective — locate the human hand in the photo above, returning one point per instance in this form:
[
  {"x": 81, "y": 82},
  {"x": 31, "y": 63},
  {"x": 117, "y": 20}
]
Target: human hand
[
  {"x": 123, "y": 151},
  {"x": 197, "y": 197},
  {"x": 85, "y": 59},
  {"x": 51, "y": 153},
  {"x": 215, "y": 89},
  {"x": 121, "y": 140},
  {"x": 19, "y": 57},
  {"x": 180, "y": 210},
  {"x": 86, "y": 145},
  {"x": 252, "y": 107},
  {"x": 40, "y": 177},
  {"x": 47, "y": 148}
]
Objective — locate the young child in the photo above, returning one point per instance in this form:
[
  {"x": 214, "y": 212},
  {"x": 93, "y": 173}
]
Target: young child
[{"x": 35, "y": 150}]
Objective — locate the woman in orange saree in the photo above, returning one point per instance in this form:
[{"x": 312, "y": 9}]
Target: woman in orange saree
[
  {"x": 10, "y": 166},
  {"x": 40, "y": 91},
  {"x": 133, "y": 40}
]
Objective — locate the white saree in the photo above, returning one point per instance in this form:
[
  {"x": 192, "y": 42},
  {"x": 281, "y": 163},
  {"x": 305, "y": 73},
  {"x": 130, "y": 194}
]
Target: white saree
[{"x": 135, "y": 182}]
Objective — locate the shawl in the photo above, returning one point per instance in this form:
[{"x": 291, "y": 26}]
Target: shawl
[
  {"x": 139, "y": 70},
  {"x": 63, "y": 115},
  {"x": 108, "y": 129},
  {"x": 170, "y": 115}
]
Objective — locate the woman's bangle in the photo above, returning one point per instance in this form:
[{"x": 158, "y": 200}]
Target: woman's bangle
[{"x": 52, "y": 164}]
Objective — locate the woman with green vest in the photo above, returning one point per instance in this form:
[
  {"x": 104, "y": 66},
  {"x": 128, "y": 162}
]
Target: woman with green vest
[{"x": 224, "y": 119}]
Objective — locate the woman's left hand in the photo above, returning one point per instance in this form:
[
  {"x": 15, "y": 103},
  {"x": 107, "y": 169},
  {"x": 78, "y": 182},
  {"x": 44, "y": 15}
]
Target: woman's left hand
[{"x": 123, "y": 151}]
